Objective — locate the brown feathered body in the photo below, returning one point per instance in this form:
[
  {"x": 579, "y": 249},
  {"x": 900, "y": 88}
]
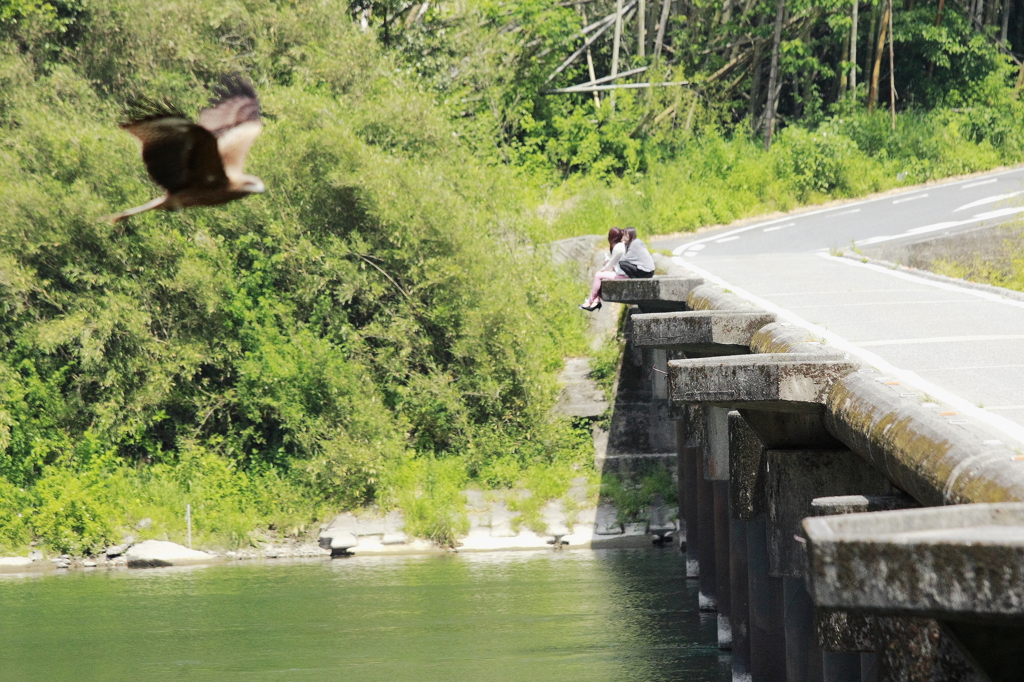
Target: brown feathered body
[{"x": 200, "y": 164}]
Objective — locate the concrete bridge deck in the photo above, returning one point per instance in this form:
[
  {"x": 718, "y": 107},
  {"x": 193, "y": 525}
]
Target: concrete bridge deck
[{"x": 960, "y": 346}]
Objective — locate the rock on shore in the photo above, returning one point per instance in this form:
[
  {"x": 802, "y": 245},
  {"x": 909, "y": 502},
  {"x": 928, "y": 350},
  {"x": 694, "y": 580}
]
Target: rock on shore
[{"x": 158, "y": 553}]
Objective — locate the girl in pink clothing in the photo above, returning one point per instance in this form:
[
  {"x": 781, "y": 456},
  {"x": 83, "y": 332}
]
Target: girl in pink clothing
[{"x": 616, "y": 249}]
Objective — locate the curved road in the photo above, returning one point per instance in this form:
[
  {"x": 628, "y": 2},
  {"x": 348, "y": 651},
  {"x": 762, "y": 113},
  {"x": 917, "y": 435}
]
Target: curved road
[{"x": 943, "y": 342}]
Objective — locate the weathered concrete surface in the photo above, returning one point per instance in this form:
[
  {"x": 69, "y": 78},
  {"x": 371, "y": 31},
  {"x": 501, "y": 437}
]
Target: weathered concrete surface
[
  {"x": 716, "y": 449},
  {"x": 795, "y": 478},
  {"x": 652, "y": 295},
  {"x": 920, "y": 649},
  {"x": 159, "y": 553},
  {"x": 701, "y": 332},
  {"x": 959, "y": 562},
  {"x": 747, "y": 474},
  {"x": 856, "y": 504},
  {"x": 580, "y": 396},
  {"x": 771, "y": 381},
  {"x": 842, "y": 631},
  {"x": 690, "y": 433},
  {"x": 710, "y": 297},
  {"x": 642, "y": 422},
  {"x": 933, "y": 460},
  {"x": 782, "y": 337}
]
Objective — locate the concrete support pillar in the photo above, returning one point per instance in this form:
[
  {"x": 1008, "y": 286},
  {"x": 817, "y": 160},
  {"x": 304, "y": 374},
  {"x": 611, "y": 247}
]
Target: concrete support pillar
[
  {"x": 840, "y": 667},
  {"x": 716, "y": 470},
  {"x": 706, "y": 543},
  {"x": 767, "y": 607},
  {"x": 681, "y": 482},
  {"x": 691, "y": 472},
  {"x": 920, "y": 649},
  {"x": 868, "y": 668},
  {"x": 803, "y": 657},
  {"x": 723, "y": 546},
  {"x": 659, "y": 373},
  {"x": 739, "y": 596}
]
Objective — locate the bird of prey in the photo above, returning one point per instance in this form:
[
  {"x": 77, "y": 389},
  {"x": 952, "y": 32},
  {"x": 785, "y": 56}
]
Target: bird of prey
[{"x": 200, "y": 164}]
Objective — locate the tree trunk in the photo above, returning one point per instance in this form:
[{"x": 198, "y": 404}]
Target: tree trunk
[
  {"x": 615, "y": 47},
  {"x": 869, "y": 58},
  {"x": 877, "y": 67},
  {"x": 755, "y": 83},
  {"x": 892, "y": 72},
  {"x": 853, "y": 52},
  {"x": 843, "y": 80},
  {"x": 773, "y": 75},
  {"x": 1006, "y": 21}
]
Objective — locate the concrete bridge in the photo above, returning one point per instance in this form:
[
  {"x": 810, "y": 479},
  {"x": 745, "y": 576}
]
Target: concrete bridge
[{"x": 843, "y": 523}]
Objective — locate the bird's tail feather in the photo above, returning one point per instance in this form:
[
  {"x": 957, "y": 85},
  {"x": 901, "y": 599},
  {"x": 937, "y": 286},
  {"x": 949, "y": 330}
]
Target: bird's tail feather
[{"x": 148, "y": 206}]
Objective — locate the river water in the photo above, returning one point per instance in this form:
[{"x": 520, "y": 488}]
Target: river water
[{"x": 523, "y": 616}]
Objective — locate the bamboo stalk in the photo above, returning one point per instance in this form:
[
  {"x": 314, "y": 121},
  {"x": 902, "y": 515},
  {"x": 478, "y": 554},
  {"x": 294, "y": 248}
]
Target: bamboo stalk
[
  {"x": 641, "y": 30},
  {"x": 877, "y": 67},
  {"x": 605, "y": 79},
  {"x": 773, "y": 75},
  {"x": 616, "y": 41},
  {"x": 892, "y": 73},
  {"x": 586, "y": 44},
  {"x": 666, "y": 8},
  {"x": 613, "y": 86},
  {"x": 590, "y": 58}
]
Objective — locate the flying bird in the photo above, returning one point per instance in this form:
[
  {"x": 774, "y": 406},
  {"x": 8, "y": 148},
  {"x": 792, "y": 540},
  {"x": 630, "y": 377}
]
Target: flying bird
[{"x": 200, "y": 164}]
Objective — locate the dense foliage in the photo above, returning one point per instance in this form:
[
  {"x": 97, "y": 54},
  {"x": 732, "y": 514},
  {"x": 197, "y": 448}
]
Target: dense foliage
[
  {"x": 328, "y": 344},
  {"x": 378, "y": 327}
]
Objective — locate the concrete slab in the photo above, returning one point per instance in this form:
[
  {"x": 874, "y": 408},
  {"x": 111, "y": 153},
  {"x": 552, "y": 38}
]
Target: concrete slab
[
  {"x": 704, "y": 332},
  {"x": 960, "y": 562},
  {"x": 651, "y": 295},
  {"x": 769, "y": 381}
]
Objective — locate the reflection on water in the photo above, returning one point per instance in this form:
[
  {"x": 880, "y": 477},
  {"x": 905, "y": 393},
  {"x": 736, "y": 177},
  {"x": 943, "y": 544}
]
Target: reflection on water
[{"x": 572, "y": 615}]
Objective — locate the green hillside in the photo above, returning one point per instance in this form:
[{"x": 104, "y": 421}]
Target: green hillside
[{"x": 380, "y": 326}]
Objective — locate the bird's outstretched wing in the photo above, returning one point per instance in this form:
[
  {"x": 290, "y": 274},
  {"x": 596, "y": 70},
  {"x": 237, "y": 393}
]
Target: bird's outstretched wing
[
  {"x": 178, "y": 153},
  {"x": 234, "y": 119}
]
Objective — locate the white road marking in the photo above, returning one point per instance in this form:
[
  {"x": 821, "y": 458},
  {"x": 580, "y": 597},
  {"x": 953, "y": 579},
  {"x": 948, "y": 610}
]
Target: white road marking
[
  {"x": 999, "y": 213},
  {"x": 710, "y": 238},
  {"x": 778, "y": 227},
  {"x": 979, "y": 184},
  {"x": 875, "y": 240},
  {"x": 988, "y": 200},
  {"x": 962, "y": 405},
  {"x": 697, "y": 247},
  {"x": 691, "y": 254},
  {"x": 856, "y": 210},
  {"x": 913, "y": 198},
  {"x": 726, "y": 239},
  {"x": 942, "y": 339}
]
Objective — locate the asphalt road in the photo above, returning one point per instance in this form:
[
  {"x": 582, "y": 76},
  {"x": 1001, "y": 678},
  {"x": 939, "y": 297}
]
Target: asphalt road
[
  {"x": 918, "y": 212},
  {"x": 943, "y": 342}
]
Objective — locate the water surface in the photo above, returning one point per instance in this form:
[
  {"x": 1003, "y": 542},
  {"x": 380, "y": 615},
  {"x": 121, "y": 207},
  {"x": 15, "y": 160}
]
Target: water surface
[{"x": 572, "y": 615}]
